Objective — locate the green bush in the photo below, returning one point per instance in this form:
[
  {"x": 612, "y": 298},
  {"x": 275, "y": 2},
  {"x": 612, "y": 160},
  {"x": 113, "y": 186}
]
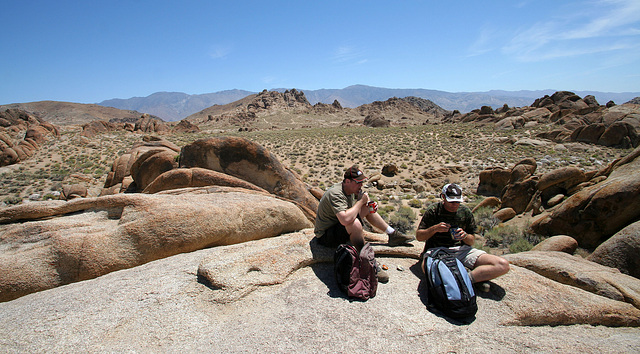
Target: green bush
[
  {"x": 49, "y": 196},
  {"x": 415, "y": 203},
  {"x": 520, "y": 245},
  {"x": 484, "y": 219},
  {"x": 385, "y": 211},
  {"x": 403, "y": 219},
  {"x": 12, "y": 200},
  {"x": 512, "y": 238}
]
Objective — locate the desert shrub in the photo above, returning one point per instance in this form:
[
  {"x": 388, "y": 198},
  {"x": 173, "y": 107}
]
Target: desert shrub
[
  {"x": 403, "y": 219},
  {"x": 415, "y": 203},
  {"x": 484, "y": 219},
  {"x": 384, "y": 211},
  {"x": 513, "y": 238},
  {"x": 12, "y": 200},
  {"x": 520, "y": 245}
]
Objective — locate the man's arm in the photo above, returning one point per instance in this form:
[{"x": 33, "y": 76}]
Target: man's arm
[
  {"x": 466, "y": 238},
  {"x": 425, "y": 234},
  {"x": 347, "y": 217}
]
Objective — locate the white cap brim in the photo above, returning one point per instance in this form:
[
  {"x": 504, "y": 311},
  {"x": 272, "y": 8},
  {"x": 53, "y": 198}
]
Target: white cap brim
[{"x": 453, "y": 199}]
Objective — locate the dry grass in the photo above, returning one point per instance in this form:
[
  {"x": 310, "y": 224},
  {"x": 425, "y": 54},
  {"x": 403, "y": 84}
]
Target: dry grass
[{"x": 319, "y": 156}]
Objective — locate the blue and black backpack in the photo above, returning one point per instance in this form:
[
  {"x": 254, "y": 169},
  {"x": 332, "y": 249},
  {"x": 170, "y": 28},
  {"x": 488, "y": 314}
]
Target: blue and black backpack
[{"x": 449, "y": 285}]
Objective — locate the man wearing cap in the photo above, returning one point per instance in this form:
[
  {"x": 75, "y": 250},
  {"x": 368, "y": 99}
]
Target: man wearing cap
[
  {"x": 450, "y": 224},
  {"x": 340, "y": 213}
]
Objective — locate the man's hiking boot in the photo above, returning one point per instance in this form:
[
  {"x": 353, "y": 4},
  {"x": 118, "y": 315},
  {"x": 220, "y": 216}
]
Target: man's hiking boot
[
  {"x": 397, "y": 238},
  {"x": 381, "y": 274}
]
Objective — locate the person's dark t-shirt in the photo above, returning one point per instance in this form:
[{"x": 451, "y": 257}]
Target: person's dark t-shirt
[{"x": 436, "y": 213}]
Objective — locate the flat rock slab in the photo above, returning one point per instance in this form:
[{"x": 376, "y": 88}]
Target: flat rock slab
[
  {"x": 162, "y": 307},
  {"x": 237, "y": 270}
]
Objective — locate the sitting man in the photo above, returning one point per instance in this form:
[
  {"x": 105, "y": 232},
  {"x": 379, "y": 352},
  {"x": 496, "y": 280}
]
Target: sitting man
[
  {"x": 435, "y": 227},
  {"x": 340, "y": 213}
]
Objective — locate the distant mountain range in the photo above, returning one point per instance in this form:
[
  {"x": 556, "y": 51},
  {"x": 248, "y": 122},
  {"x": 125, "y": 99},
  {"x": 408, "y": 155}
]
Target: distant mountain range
[{"x": 173, "y": 106}]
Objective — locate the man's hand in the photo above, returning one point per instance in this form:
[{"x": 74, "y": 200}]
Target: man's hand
[
  {"x": 459, "y": 234},
  {"x": 441, "y": 227},
  {"x": 364, "y": 196}
]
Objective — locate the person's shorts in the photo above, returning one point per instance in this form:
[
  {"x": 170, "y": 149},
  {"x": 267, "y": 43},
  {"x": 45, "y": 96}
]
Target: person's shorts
[
  {"x": 465, "y": 254},
  {"x": 334, "y": 236}
]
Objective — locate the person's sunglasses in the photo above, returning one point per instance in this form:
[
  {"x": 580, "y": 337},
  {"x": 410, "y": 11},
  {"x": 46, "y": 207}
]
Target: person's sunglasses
[{"x": 360, "y": 182}]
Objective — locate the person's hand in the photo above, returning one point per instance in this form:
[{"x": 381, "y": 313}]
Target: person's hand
[
  {"x": 442, "y": 227},
  {"x": 364, "y": 196},
  {"x": 459, "y": 234}
]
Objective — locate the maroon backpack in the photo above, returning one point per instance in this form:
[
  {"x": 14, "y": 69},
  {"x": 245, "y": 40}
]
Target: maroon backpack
[{"x": 356, "y": 273}]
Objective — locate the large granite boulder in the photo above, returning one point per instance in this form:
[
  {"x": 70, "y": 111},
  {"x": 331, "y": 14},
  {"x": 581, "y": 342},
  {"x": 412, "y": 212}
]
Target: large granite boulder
[
  {"x": 560, "y": 243},
  {"x": 536, "y": 300},
  {"x": 595, "y": 213},
  {"x": 149, "y": 124},
  {"x": 251, "y": 162},
  {"x": 151, "y": 164},
  {"x": 37, "y": 131},
  {"x": 518, "y": 195},
  {"x": 621, "y": 251},
  {"x": 492, "y": 181},
  {"x": 196, "y": 177},
  {"x": 121, "y": 167},
  {"x": 48, "y": 244}
]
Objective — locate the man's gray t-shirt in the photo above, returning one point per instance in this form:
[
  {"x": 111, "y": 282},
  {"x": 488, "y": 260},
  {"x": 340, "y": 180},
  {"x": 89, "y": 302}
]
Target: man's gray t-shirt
[{"x": 333, "y": 201}]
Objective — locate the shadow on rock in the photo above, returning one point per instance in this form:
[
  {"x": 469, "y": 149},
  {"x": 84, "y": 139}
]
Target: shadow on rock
[
  {"x": 496, "y": 293},
  {"x": 323, "y": 268},
  {"x": 324, "y": 272}
]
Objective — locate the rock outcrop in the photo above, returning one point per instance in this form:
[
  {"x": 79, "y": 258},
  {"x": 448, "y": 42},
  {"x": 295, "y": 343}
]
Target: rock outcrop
[
  {"x": 196, "y": 177},
  {"x": 122, "y": 166},
  {"x": 560, "y": 243},
  {"x": 149, "y": 124},
  {"x": 595, "y": 213},
  {"x": 48, "y": 244},
  {"x": 184, "y": 126},
  {"x": 251, "y": 162},
  {"x": 621, "y": 251},
  {"x": 580, "y": 273},
  {"x": 36, "y": 131},
  {"x": 571, "y": 118},
  {"x": 96, "y": 127}
]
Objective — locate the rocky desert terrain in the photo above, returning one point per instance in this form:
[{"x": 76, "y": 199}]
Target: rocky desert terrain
[{"x": 101, "y": 230}]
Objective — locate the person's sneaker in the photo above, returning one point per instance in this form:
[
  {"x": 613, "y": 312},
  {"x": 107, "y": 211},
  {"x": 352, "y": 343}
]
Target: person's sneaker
[
  {"x": 482, "y": 286},
  {"x": 397, "y": 238},
  {"x": 382, "y": 275}
]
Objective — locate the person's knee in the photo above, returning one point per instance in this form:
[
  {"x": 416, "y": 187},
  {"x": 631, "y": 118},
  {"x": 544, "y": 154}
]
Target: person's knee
[
  {"x": 498, "y": 265},
  {"x": 502, "y": 265},
  {"x": 354, "y": 228}
]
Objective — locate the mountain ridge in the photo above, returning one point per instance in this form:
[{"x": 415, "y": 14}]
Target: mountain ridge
[{"x": 173, "y": 106}]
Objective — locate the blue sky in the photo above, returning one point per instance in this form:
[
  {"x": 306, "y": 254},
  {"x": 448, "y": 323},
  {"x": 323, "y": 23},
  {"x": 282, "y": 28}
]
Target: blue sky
[{"x": 89, "y": 51}]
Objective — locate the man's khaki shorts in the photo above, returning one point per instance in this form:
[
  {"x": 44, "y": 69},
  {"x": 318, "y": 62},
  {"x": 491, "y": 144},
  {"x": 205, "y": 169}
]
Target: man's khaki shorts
[{"x": 465, "y": 254}]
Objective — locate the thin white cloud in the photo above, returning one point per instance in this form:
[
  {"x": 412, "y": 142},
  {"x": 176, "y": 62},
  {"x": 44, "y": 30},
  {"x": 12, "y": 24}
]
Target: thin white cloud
[
  {"x": 218, "y": 52},
  {"x": 582, "y": 50},
  {"x": 609, "y": 23},
  {"x": 595, "y": 27},
  {"x": 348, "y": 54},
  {"x": 484, "y": 42}
]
